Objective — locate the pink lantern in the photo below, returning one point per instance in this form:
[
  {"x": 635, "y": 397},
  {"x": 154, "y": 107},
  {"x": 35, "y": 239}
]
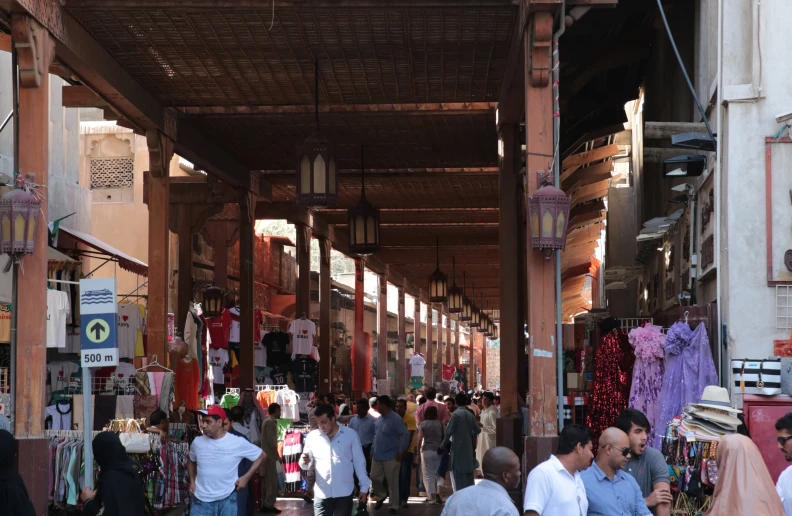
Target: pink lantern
[
  {"x": 19, "y": 215},
  {"x": 548, "y": 210}
]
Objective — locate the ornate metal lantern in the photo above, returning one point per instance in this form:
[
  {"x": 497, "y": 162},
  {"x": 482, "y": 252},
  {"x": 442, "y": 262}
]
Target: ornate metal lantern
[
  {"x": 212, "y": 302},
  {"x": 475, "y": 315},
  {"x": 455, "y": 294},
  {"x": 438, "y": 282},
  {"x": 317, "y": 178},
  {"x": 364, "y": 222},
  {"x": 548, "y": 214},
  {"x": 467, "y": 306},
  {"x": 19, "y": 217}
]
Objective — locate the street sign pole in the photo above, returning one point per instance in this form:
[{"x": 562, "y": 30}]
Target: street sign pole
[{"x": 98, "y": 348}]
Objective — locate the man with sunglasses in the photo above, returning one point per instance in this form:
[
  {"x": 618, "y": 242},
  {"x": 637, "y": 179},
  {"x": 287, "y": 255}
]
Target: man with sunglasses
[
  {"x": 784, "y": 485},
  {"x": 609, "y": 489}
]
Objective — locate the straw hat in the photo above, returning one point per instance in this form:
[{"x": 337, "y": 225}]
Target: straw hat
[
  {"x": 717, "y": 398},
  {"x": 714, "y": 416}
]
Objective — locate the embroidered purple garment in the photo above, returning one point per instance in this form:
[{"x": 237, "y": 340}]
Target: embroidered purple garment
[
  {"x": 648, "y": 343},
  {"x": 689, "y": 368}
]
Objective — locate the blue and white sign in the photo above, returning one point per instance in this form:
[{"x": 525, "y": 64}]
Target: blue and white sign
[{"x": 98, "y": 322}]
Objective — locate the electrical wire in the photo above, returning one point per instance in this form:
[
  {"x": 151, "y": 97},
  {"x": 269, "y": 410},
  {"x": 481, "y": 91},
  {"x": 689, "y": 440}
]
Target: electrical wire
[{"x": 684, "y": 72}]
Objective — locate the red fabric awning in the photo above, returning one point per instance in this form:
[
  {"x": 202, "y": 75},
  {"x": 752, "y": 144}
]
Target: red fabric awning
[{"x": 126, "y": 262}]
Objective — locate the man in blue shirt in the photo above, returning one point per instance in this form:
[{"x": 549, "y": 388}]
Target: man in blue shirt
[
  {"x": 610, "y": 490},
  {"x": 391, "y": 439}
]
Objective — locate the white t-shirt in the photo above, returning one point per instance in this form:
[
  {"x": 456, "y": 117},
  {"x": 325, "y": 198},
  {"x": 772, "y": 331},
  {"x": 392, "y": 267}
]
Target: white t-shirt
[
  {"x": 73, "y": 342},
  {"x": 218, "y": 357},
  {"x": 289, "y": 403},
  {"x": 233, "y": 335},
  {"x": 259, "y": 355},
  {"x": 60, "y": 373},
  {"x": 784, "y": 489},
  {"x": 218, "y": 460},
  {"x": 129, "y": 323},
  {"x": 303, "y": 332},
  {"x": 58, "y": 309},
  {"x": 124, "y": 372},
  {"x": 60, "y": 420},
  {"x": 551, "y": 491},
  {"x": 417, "y": 362}
]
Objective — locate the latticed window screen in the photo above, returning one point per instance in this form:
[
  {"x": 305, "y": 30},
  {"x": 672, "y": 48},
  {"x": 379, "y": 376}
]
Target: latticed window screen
[
  {"x": 109, "y": 173},
  {"x": 783, "y": 307}
]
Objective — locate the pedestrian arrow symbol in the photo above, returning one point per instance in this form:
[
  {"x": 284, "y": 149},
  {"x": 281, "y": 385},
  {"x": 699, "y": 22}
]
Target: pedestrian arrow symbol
[{"x": 98, "y": 331}]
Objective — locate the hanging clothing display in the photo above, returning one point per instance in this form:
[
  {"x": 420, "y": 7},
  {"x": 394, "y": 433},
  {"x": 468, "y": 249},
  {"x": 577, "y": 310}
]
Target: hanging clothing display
[
  {"x": 218, "y": 357},
  {"x": 303, "y": 332},
  {"x": 5, "y": 323},
  {"x": 61, "y": 415},
  {"x": 689, "y": 368},
  {"x": 58, "y": 310},
  {"x": 304, "y": 373},
  {"x": 289, "y": 403},
  {"x": 417, "y": 363},
  {"x": 292, "y": 450},
  {"x": 129, "y": 324},
  {"x": 612, "y": 379},
  {"x": 275, "y": 343},
  {"x": 448, "y": 372},
  {"x": 219, "y": 329},
  {"x": 188, "y": 376},
  {"x": 648, "y": 342}
]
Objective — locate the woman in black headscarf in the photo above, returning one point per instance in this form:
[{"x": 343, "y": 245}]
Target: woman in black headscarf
[
  {"x": 119, "y": 489},
  {"x": 13, "y": 494}
]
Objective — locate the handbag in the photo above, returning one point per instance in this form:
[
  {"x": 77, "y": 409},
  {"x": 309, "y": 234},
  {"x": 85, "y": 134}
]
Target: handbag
[
  {"x": 134, "y": 440},
  {"x": 757, "y": 376}
]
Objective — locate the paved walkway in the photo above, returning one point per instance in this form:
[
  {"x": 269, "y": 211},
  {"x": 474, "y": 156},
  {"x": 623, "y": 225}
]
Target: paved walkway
[{"x": 417, "y": 507}]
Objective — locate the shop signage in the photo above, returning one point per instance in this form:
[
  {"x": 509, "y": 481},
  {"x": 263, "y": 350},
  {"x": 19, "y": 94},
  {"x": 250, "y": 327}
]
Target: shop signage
[{"x": 98, "y": 322}]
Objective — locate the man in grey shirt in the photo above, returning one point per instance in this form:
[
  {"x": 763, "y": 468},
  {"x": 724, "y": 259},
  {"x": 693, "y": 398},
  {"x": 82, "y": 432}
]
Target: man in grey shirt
[{"x": 647, "y": 464}]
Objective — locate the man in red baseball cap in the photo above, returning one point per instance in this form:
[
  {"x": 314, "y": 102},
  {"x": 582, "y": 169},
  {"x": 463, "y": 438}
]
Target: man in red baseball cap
[{"x": 214, "y": 460}]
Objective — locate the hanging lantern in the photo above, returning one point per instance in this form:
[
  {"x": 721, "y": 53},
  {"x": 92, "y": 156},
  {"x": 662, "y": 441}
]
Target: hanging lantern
[
  {"x": 364, "y": 222},
  {"x": 317, "y": 178},
  {"x": 212, "y": 305},
  {"x": 548, "y": 214},
  {"x": 438, "y": 282},
  {"x": 475, "y": 316},
  {"x": 467, "y": 306},
  {"x": 19, "y": 216},
  {"x": 455, "y": 295}
]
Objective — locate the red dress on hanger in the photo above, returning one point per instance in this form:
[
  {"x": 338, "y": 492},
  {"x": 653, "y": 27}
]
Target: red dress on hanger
[{"x": 188, "y": 376}]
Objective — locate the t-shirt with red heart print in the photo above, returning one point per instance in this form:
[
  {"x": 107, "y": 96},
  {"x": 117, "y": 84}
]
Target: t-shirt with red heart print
[
  {"x": 130, "y": 322},
  {"x": 303, "y": 332},
  {"x": 60, "y": 373},
  {"x": 218, "y": 358}
]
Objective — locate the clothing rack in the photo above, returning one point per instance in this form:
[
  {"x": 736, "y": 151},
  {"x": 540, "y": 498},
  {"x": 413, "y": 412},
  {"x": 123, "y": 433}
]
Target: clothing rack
[
  {"x": 629, "y": 323},
  {"x": 69, "y": 434},
  {"x": 259, "y": 387},
  {"x": 232, "y": 390},
  {"x": 50, "y": 280}
]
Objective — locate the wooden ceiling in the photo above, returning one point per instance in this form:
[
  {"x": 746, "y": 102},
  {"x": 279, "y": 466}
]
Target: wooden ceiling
[{"x": 413, "y": 82}]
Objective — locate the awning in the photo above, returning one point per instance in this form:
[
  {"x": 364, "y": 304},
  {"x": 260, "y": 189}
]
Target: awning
[
  {"x": 53, "y": 255},
  {"x": 125, "y": 261}
]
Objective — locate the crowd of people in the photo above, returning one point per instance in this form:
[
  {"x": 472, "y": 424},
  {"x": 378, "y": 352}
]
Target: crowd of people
[{"x": 369, "y": 454}]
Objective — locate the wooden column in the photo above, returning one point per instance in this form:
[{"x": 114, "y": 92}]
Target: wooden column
[
  {"x": 417, "y": 319},
  {"x": 430, "y": 346},
  {"x": 456, "y": 345},
  {"x": 382, "y": 328},
  {"x": 440, "y": 353},
  {"x": 247, "y": 208},
  {"x": 484, "y": 362},
  {"x": 303, "y": 270},
  {"x": 185, "y": 285},
  {"x": 358, "y": 345},
  {"x": 160, "y": 149},
  {"x": 448, "y": 360},
  {"x": 325, "y": 364},
  {"x": 34, "y": 49},
  {"x": 542, "y": 390},
  {"x": 472, "y": 368},
  {"x": 401, "y": 359}
]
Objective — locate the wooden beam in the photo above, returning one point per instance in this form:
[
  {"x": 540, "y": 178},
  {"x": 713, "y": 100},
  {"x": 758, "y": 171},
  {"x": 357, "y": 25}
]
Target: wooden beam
[
  {"x": 5, "y": 42},
  {"x": 463, "y": 260},
  {"x": 588, "y": 181},
  {"x": 424, "y": 109},
  {"x": 585, "y": 191},
  {"x": 607, "y": 130},
  {"x": 610, "y": 60},
  {"x": 422, "y": 217},
  {"x": 657, "y": 155},
  {"x": 80, "y": 97},
  {"x": 284, "y": 4},
  {"x": 287, "y": 176},
  {"x": 382, "y": 328},
  {"x": 579, "y": 174},
  {"x": 665, "y": 130},
  {"x": 590, "y": 197},
  {"x": 591, "y": 156},
  {"x": 512, "y": 94}
]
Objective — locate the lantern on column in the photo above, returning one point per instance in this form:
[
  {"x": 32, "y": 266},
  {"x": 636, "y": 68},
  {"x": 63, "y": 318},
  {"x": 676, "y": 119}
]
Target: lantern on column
[
  {"x": 364, "y": 222},
  {"x": 438, "y": 282},
  {"x": 548, "y": 215},
  {"x": 212, "y": 302},
  {"x": 475, "y": 315},
  {"x": 317, "y": 178},
  {"x": 455, "y": 294},
  {"x": 19, "y": 216},
  {"x": 467, "y": 306}
]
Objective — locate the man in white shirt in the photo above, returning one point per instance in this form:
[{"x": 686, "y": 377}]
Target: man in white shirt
[
  {"x": 784, "y": 485},
  {"x": 212, "y": 466},
  {"x": 501, "y": 468},
  {"x": 337, "y": 455},
  {"x": 554, "y": 487}
]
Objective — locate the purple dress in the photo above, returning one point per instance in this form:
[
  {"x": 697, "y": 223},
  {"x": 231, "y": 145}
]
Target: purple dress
[
  {"x": 689, "y": 369},
  {"x": 648, "y": 343}
]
